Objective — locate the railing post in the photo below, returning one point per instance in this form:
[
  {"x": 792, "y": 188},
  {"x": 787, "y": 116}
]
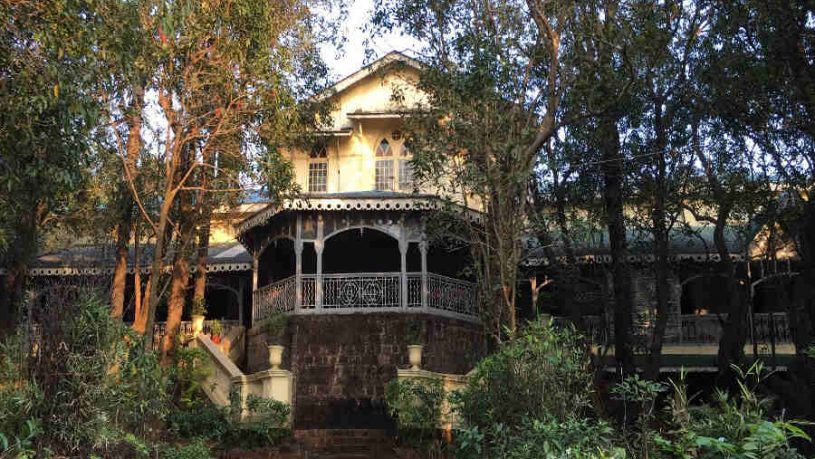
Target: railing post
[
  {"x": 298, "y": 264},
  {"x": 254, "y": 287},
  {"x": 423, "y": 251},
  {"x": 318, "y": 281},
  {"x": 403, "y": 287}
]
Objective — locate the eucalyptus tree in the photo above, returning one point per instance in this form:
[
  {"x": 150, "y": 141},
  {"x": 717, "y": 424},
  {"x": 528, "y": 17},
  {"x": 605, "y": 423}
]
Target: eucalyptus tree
[
  {"x": 494, "y": 79},
  {"x": 47, "y": 59},
  {"x": 763, "y": 79},
  {"x": 666, "y": 36},
  {"x": 226, "y": 94},
  {"x": 601, "y": 101}
]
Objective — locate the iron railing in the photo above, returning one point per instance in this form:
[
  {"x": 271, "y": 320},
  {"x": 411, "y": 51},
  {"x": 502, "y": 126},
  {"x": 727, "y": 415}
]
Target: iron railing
[
  {"x": 367, "y": 292},
  {"x": 278, "y": 296},
  {"x": 185, "y": 328},
  {"x": 767, "y": 329}
]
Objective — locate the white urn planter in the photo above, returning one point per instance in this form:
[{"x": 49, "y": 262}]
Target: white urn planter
[
  {"x": 415, "y": 356},
  {"x": 275, "y": 356},
  {"x": 197, "y": 325}
]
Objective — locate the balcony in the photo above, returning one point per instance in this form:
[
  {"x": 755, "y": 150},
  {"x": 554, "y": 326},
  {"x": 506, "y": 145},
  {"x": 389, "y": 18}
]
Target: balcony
[
  {"x": 367, "y": 292},
  {"x": 769, "y": 333}
]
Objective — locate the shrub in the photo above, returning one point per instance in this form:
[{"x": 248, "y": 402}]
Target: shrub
[
  {"x": 198, "y": 419},
  {"x": 266, "y": 425},
  {"x": 416, "y": 407},
  {"x": 534, "y": 439},
  {"x": 195, "y": 450},
  {"x": 733, "y": 426},
  {"x": 543, "y": 373},
  {"x": 275, "y": 326}
]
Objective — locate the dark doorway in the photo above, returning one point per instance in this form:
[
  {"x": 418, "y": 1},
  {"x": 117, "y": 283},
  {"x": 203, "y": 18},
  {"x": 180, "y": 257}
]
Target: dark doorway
[
  {"x": 361, "y": 250},
  {"x": 276, "y": 262}
]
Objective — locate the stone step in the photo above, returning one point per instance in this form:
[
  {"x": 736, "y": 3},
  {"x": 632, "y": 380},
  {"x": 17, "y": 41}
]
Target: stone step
[{"x": 346, "y": 443}]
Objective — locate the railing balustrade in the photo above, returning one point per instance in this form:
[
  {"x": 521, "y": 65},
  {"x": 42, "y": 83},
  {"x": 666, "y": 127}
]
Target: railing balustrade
[
  {"x": 185, "y": 328},
  {"x": 368, "y": 292},
  {"x": 768, "y": 329},
  {"x": 278, "y": 296}
]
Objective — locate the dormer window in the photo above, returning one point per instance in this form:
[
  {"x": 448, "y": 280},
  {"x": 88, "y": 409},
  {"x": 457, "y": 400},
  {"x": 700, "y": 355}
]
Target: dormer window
[
  {"x": 383, "y": 180},
  {"x": 318, "y": 169}
]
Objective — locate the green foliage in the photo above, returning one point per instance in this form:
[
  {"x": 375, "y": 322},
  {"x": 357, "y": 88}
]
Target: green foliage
[
  {"x": 195, "y": 450},
  {"x": 20, "y": 445},
  {"x": 190, "y": 369},
  {"x": 415, "y": 333},
  {"x": 735, "y": 426},
  {"x": 266, "y": 423},
  {"x": 642, "y": 394},
  {"x": 542, "y": 373},
  {"x": 532, "y": 439},
  {"x": 216, "y": 328},
  {"x": 416, "y": 405},
  {"x": 275, "y": 326},
  {"x": 198, "y": 307},
  {"x": 198, "y": 419}
]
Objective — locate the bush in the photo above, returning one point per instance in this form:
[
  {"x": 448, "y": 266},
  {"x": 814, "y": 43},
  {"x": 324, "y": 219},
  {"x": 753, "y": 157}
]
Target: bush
[
  {"x": 198, "y": 419},
  {"x": 416, "y": 407},
  {"x": 543, "y": 373},
  {"x": 266, "y": 424},
  {"x": 733, "y": 426},
  {"x": 196, "y": 450},
  {"x": 533, "y": 439}
]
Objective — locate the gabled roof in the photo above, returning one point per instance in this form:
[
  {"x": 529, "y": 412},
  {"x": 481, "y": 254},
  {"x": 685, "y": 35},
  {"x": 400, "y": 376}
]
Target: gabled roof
[{"x": 392, "y": 58}]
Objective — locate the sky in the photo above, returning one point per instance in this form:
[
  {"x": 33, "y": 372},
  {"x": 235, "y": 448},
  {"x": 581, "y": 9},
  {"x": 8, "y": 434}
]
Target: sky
[{"x": 352, "y": 57}]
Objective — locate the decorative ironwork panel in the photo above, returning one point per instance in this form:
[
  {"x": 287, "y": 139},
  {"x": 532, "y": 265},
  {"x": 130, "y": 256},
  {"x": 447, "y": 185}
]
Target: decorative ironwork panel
[
  {"x": 414, "y": 290},
  {"x": 451, "y": 295},
  {"x": 362, "y": 290},
  {"x": 279, "y": 296},
  {"x": 309, "y": 286},
  {"x": 771, "y": 328}
]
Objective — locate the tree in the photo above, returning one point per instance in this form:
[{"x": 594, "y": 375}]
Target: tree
[
  {"x": 494, "y": 80},
  {"x": 223, "y": 89},
  {"x": 47, "y": 60}
]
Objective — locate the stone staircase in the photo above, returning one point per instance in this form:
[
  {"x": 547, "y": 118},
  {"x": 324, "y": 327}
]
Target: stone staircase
[{"x": 346, "y": 444}]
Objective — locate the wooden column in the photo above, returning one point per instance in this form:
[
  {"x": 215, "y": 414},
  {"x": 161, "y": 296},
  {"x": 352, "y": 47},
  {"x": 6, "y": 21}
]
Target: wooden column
[
  {"x": 298, "y": 263},
  {"x": 318, "y": 248},
  {"x": 403, "y": 281},
  {"x": 255, "y": 257},
  {"x": 423, "y": 250}
]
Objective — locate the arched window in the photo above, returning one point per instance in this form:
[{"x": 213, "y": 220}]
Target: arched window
[
  {"x": 383, "y": 179},
  {"x": 384, "y": 149},
  {"x": 318, "y": 169},
  {"x": 406, "y": 168}
]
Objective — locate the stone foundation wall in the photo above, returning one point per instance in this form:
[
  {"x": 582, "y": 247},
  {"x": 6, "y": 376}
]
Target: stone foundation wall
[{"x": 342, "y": 363}]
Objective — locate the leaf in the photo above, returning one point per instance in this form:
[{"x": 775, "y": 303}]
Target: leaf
[{"x": 56, "y": 90}]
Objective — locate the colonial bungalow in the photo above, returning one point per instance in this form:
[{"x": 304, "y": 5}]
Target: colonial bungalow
[{"x": 350, "y": 263}]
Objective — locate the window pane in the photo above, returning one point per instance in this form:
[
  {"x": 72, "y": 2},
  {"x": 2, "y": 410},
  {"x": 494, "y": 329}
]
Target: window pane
[
  {"x": 405, "y": 175},
  {"x": 384, "y": 149},
  {"x": 317, "y": 177},
  {"x": 384, "y": 175}
]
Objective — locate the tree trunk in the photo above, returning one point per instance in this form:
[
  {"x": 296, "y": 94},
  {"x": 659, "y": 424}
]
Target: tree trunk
[
  {"x": 612, "y": 169},
  {"x": 660, "y": 232},
  {"x": 117, "y": 289},
  {"x": 200, "y": 284},
  {"x": 175, "y": 304},
  {"x": 125, "y": 223}
]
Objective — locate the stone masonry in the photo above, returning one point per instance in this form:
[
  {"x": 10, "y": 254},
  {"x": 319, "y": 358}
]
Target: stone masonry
[{"x": 342, "y": 363}]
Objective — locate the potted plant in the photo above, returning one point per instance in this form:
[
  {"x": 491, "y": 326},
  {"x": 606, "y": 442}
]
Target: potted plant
[
  {"x": 275, "y": 328},
  {"x": 415, "y": 338},
  {"x": 197, "y": 313},
  {"x": 215, "y": 331}
]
